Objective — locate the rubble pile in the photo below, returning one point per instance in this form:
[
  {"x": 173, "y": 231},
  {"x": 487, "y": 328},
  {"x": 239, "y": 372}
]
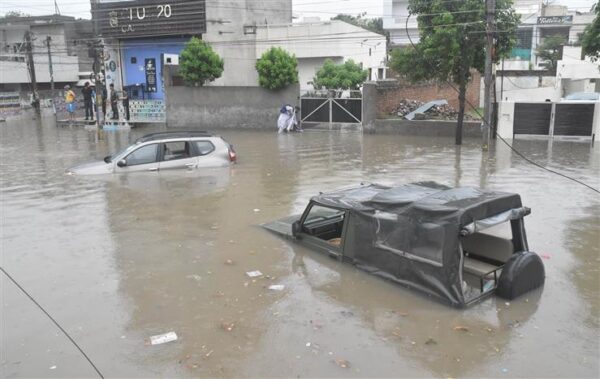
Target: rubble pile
[{"x": 437, "y": 112}]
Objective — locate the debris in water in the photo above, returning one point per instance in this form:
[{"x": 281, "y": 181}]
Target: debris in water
[
  {"x": 254, "y": 274},
  {"x": 342, "y": 363},
  {"x": 195, "y": 277},
  {"x": 52, "y": 367},
  {"x": 163, "y": 338},
  {"x": 228, "y": 326},
  {"x": 308, "y": 344},
  {"x": 209, "y": 353},
  {"x": 505, "y": 370},
  {"x": 256, "y": 210},
  {"x": 347, "y": 313},
  {"x": 229, "y": 262},
  {"x": 461, "y": 328},
  {"x": 430, "y": 341},
  {"x": 277, "y": 287}
]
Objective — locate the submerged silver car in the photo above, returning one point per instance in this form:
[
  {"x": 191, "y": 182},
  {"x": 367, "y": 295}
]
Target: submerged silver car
[{"x": 164, "y": 151}]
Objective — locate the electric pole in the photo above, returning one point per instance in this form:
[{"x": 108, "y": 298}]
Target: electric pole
[
  {"x": 31, "y": 66},
  {"x": 48, "y": 41},
  {"x": 490, "y": 11}
]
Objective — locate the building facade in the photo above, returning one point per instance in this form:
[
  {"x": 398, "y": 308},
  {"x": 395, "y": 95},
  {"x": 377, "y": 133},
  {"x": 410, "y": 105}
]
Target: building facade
[
  {"x": 68, "y": 46},
  {"x": 144, "y": 32},
  {"x": 313, "y": 42},
  {"x": 538, "y": 21}
]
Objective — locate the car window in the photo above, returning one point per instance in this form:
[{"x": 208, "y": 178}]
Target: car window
[
  {"x": 204, "y": 147},
  {"x": 143, "y": 155},
  {"x": 176, "y": 150},
  {"x": 318, "y": 213}
]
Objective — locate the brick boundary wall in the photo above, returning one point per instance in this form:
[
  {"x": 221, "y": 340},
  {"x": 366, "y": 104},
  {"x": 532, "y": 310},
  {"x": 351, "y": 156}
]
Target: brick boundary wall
[{"x": 391, "y": 92}]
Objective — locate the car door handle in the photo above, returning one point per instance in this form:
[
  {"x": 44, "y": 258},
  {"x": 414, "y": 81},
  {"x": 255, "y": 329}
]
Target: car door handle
[{"x": 153, "y": 169}]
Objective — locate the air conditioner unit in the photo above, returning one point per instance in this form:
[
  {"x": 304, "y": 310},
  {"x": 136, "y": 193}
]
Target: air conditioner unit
[{"x": 171, "y": 59}]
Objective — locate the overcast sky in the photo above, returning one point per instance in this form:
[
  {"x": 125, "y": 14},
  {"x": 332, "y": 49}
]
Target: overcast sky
[{"x": 324, "y": 9}]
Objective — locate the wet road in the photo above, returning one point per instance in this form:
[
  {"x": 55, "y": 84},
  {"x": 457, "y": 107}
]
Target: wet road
[{"x": 118, "y": 259}]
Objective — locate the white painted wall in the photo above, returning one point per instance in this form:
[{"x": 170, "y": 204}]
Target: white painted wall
[{"x": 312, "y": 43}]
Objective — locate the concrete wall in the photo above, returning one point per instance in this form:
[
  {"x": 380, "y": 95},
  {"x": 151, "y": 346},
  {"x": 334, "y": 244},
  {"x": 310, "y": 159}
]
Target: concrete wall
[
  {"x": 226, "y": 34},
  {"x": 433, "y": 128},
  {"x": 226, "y": 107},
  {"x": 390, "y": 94}
]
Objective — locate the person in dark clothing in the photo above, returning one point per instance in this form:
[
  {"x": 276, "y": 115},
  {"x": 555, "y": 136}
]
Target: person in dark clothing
[
  {"x": 87, "y": 101},
  {"x": 114, "y": 101},
  {"x": 125, "y": 100},
  {"x": 104, "y": 98}
]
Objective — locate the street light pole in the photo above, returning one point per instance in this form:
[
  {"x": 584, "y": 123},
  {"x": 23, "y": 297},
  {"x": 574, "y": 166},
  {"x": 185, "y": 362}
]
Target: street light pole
[
  {"x": 490, "y": 29},
  {"x": 50, "y": 69}
]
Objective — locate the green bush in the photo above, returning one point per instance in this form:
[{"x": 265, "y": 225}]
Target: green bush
[
  {"x": 199, "y": 64},
  {"x": 277, "y": 69},
  {"x": 346, "y": 76}
]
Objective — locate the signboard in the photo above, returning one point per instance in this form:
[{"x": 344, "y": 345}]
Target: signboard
[
  {"x": 150, "y": 69},
  {"x": 554, "y": 20},
  {"x": 149, "y": 18}
]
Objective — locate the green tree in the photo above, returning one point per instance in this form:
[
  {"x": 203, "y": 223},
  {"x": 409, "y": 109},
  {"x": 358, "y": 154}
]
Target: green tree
[
  {"x": 344, "y": 76},
  {"x": 199, "y": 64},
  {"x": 452, "y": 42},
  {"x": 277, "y": 69},
  {"x": 590, "y": 40},
  {"x": 550, "y": 51}
]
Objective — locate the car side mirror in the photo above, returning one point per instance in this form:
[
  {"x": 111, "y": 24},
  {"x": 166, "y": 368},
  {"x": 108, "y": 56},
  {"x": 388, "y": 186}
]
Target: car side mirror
[
  {"x": 122, "y": 163},
  {"x": 296, "y": 229}
]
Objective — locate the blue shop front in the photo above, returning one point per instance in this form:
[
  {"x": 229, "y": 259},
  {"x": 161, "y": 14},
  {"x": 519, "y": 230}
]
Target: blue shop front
[
  {"x": 140, "y": 38},
  {"x": 143, "y": 61}
]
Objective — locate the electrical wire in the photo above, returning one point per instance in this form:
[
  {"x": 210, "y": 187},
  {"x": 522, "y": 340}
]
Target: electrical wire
[
  {"x": 53, "y": 320},
  {"x": 496, "y": 133}
]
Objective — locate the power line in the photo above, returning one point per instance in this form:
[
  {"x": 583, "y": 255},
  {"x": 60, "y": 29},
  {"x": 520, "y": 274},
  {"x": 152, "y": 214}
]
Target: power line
[
  {"x": 496, "y": 133},
  {"x": 53, "y": 320}
]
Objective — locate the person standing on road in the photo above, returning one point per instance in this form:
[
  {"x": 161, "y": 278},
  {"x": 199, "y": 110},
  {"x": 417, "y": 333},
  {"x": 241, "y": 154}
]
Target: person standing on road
[
  {"x": 70, "y": 102},
  {"x": 87, "y": 101},
  {"x": 114, "y": 102},
  {"x": 103, "y": 98}
]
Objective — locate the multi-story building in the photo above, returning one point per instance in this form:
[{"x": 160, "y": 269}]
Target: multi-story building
[
  {"x": 68, "y": 46},
  {"x": 538, "y": 21}
]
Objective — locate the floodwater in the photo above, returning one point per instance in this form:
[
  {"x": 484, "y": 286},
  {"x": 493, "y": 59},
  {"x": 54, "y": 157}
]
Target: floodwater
[{"x": 116, "y": 260}]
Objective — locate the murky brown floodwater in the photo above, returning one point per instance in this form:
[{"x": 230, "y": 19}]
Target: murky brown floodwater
[{"x": 118, "y": 259}]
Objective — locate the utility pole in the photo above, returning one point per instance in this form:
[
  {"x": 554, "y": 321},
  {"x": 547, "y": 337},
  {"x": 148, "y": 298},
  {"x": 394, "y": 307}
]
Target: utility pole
[
  {"x": 490, "y": 11},
  {"x": 48, "y": 42},
  {"x": 31, "y": 66}
]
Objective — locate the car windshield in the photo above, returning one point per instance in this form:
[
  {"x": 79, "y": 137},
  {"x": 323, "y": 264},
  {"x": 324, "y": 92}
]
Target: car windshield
[{"x": 110, "y": 158}]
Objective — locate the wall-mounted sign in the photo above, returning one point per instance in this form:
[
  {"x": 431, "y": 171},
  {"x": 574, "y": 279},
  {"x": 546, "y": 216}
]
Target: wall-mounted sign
[
  {"x": 553, "y": 20},
  {"x": 150, "y": 68},
  {"x": 148, "y": 18}
]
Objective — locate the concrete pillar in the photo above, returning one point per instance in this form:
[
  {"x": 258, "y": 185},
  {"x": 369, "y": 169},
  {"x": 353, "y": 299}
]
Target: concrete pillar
[
  {"x": 506, "y": 116},
  {"x": 369, "y": 107}
]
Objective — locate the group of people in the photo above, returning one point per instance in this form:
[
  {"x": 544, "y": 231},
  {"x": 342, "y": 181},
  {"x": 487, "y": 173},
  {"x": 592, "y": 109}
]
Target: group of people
[
  {"x": 287, "y": 121},
  {"x": 91, "y": 102}
]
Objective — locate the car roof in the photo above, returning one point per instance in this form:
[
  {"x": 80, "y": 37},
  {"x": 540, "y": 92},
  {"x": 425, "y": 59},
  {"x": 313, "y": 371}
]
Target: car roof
[
  {"x": 174, "y": 134},
  {"x": 429, "y": 197}
]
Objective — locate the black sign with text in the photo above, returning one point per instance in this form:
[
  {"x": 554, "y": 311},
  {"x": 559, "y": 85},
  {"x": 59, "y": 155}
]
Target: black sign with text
[
  {"x": 554, "y": 20},
  {"x": 149, "y": 18},
  {"x": 150, "y": 69}
]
